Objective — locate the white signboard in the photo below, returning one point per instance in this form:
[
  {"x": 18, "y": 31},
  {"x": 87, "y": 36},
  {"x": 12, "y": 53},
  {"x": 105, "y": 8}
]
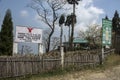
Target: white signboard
[{"x": 28, "y": 34}]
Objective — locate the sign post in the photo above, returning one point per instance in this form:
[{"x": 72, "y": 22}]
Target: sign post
[
  {"x": 15, "y": 48},
  {"x": 106, "y": 34}
]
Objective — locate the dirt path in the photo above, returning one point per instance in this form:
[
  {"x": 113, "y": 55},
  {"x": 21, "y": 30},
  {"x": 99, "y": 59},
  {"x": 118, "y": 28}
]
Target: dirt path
[{"x": 110, "y": 74}]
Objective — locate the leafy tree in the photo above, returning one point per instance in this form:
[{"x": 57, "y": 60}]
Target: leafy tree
[
  {"x": 61, "y": 22},
  {"x": 73, "y": 2},
  {"x": 48, "y": 14},
  {"x": 6, "y": 35}
]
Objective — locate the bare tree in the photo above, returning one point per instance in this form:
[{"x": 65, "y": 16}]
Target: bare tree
[
  {"x": 25, "y": 49},
  {"x": 45, "y": 38},
  {"x": 92, "y": 34},
  {"x": 55, "y": 42},
  {"x": 48, "y": 12}
]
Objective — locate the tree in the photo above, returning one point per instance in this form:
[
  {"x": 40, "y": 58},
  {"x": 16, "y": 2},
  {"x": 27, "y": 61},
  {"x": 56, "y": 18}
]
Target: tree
[
  {"x": 48, "y": 14},
  {"x": 55, "y": 42},
  {"x": 27, "y": 49},
  {"x": 92, "y": 34},
  {"x": 46, "y": 33},
  {"x": 73, "y": 2},
  {"x": 107, "y": 18},
  {"x": 115, "y": 28},
  {"x": 6, "y": 34},
  {"x": 116, "y": 22},
  {"x": 61, "y": 22},
  {"x": 68, "y": 23}
]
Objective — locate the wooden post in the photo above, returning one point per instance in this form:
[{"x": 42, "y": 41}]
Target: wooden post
[
  {"x": 62, "y": 56},
  {"x": 40, "y": 49},
  {"x": 15, "y": 48},
  {"x": 102, "y": 56}
]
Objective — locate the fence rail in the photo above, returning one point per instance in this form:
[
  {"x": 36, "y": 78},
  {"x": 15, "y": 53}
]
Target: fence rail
[
  {"x": 80, "y": 60},
  {"x": 13, "y": 66},
  {"x": 18, "y": 66},
  {"x": 109, "y": 52}
]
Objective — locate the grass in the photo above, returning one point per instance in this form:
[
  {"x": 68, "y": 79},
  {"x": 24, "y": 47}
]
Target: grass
[
  {"x": 110, "y": 61},
  {"x": 41, "y": 75}
]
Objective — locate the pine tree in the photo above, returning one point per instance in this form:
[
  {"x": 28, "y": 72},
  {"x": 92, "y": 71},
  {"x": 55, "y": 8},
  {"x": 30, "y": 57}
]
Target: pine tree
[
  {"x": 6, "y": 35},
  {"x": 116, "y": 32},
  {"x": 106, "y": 17},
  {"x": 115, "y": 22}
]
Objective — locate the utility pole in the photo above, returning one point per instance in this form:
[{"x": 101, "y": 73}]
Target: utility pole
[{"x": 73, "y": 2}]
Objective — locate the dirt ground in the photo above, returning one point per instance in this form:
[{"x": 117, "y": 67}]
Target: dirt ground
[{"x": 108, "y": 74}]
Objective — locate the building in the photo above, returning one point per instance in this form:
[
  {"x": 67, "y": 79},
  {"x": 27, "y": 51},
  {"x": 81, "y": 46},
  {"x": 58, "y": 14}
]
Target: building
[{"x": 78, "y": 44}]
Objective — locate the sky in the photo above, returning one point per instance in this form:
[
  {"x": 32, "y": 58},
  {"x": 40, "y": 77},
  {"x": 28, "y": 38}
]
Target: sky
[{"x": 88, "y": 12}]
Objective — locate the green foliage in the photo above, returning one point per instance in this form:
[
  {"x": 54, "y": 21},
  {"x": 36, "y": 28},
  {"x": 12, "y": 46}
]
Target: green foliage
[
  {"x": 6, "y": 35},
  {"x": 61, "y": 20},
  {"x": 69, "y": 20},
  {"x": 106, "y": 17},
  {"x": 73, "y": 1},
  {"x": 115, "y": 22}
]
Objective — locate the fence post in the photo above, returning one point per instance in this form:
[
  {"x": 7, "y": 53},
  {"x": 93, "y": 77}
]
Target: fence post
[
  {"x": 42, "y": 62},
  {"x": 62, "y": 56},
  {"x": 103, "y": 54}
]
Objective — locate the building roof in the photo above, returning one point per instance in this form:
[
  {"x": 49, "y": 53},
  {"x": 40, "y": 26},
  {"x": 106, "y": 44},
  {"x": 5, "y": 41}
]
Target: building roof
[{"x": 80, "y": 40}]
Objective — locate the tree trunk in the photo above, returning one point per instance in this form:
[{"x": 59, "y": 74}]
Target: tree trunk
[
  {"x": 49, "y": 41},
  {"x": 61, "y": 37},
  {"x": 69, "y": 36}
]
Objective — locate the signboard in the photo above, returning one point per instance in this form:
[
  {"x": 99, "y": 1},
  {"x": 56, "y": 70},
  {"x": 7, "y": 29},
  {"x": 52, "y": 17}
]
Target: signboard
[
  {"x": 28, "y": 34},
  {"x": 107, "y": 32}
]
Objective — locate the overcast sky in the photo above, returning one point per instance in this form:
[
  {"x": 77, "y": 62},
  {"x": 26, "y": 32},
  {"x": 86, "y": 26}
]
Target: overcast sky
[{"x": 88, "y": 12}]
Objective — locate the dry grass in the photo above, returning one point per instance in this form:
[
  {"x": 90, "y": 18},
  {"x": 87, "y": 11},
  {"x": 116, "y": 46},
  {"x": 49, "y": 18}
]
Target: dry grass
[
  {"x": 109, "y": 71},
  {"x": 108, "y": 74}
]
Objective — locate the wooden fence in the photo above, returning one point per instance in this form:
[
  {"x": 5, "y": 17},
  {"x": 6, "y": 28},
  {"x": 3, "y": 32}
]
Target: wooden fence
[
  {"x": 13, "y": 66},
  {"x": 80, "y": 60},
  {"x": 20, "y": 66}
]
